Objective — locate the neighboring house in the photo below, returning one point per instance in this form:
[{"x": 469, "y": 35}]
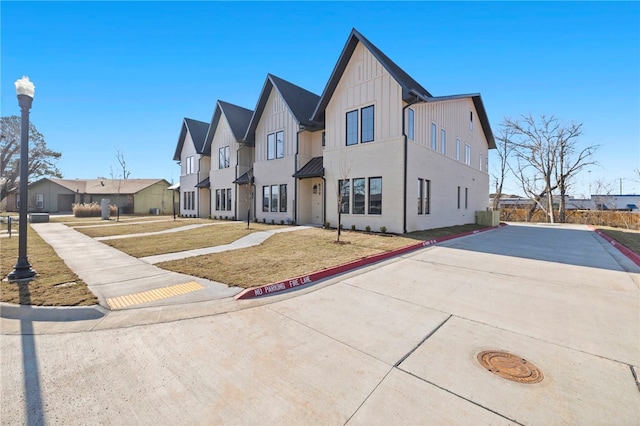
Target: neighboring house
[
  {"x": 231, "y": 190},
  {"x": 376, "y": 145},
  {"x": 131, "y": 195},
  {"x": 194, "y": 157}
]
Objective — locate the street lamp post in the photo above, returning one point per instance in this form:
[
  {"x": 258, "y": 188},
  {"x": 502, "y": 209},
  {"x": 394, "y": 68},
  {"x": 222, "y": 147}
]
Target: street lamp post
[{"x": 25, "y": 90}]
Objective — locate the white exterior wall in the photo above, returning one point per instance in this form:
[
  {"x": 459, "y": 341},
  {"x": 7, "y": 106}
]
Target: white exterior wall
[
  {"x": 188, "y": 182},
  {"x": 445, "y": 172},
  {"x": 310, "y": 205},
  {"x": 275, "y": 117},
  {"x": 365, "y": 82},
  {"x": 223, "y": 178}
]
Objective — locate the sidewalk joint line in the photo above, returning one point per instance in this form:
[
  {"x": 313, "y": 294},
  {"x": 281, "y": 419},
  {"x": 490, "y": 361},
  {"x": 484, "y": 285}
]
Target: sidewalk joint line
[{"x": 422, "y": 341}]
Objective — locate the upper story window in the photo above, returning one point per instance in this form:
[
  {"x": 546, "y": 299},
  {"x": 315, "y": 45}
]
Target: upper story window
[
  {"x": 367, "y": 119},
  {"x": 275, "y": 145},
  {"x": 190, "y": 165},
  {"x": 324, "y": 138},
  {"x": 458, "y": 149},
  {"x": 434, "y": 135},
  {"x": 352, "y": 127},
  {"x": 410, "y": 124},
  {"x": 470, "y": 120},
  {"x": 443, "y": 141},
  {"x": 480, "y": 163},
  {"x": 367, "y": 124},
  {"x": 467, "y": 154},
  {"x": 224, "y": 159}
]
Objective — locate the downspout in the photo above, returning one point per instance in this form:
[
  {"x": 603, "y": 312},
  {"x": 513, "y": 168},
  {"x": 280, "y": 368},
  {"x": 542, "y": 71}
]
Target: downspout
[
  {"x": 324, "y": 201},
  {"x": 235, "y": 186},
  {"x": 406, "y": 153}
]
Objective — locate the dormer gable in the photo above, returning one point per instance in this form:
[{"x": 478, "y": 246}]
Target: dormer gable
[{"x": 197, "y": 131}]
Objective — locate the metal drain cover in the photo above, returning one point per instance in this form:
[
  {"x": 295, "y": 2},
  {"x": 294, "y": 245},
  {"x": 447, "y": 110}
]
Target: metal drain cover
[{"x": 510, "y": 367}]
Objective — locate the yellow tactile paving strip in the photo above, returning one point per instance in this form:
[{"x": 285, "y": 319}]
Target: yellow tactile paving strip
[{"x": 121, "y": 302}]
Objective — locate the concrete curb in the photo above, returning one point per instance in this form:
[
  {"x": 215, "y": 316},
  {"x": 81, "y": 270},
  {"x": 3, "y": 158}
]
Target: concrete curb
[
  {"x": 305, "y": 280},
  {"x": 634, "y": 257},
  {"x": 51, "y": 313}
]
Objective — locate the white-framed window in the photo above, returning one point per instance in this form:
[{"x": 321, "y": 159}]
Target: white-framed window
[
  {"x": 279, "y": 144},
  {"x": 470, "y": 120},
  {"x": 480, "y": 163},
  {"x": 424, "y": 196},
  {"x": 39, "y": 201},
  {"x": 458, "y": 149},
  {"x": 224, "y": 157},
  {"x": 190, "y": 165},
  {"x": 443, "y": 141},
  {"x": 434, "y": 135},
  {"x": 410, "y": 124},
  {"x": 467, "y": 154}
]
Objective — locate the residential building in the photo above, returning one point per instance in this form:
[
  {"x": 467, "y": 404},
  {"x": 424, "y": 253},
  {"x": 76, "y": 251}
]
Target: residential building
[
  {"x": 376, "y": 146},
  {"x": 194, "y": 157}
]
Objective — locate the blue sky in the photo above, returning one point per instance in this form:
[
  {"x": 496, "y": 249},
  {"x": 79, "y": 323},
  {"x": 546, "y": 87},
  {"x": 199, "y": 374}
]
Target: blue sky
[{"x": 122, "y": 75}]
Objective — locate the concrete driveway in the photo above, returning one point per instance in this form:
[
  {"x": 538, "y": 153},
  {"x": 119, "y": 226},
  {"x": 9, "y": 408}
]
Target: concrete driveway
[{"x": 394, "y": 343}]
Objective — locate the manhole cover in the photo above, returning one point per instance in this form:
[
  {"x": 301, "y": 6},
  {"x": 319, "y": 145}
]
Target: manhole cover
[{"x": 509, "y": 366}]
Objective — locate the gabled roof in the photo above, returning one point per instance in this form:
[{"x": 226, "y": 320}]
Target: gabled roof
[
  {"x": 301, "y": 104},
  {"x": 237, "y": 117},
  {"x": 410, "y": 87},
  {"x": 197, "y": 130},
  {"x": 314, "y": 168},
  {"x": 104, "y": 186}
]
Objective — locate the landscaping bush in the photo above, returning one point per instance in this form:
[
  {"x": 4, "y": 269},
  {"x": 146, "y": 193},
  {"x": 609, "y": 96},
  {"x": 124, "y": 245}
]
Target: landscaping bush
[
  {"x": 327, "y": 225},
  {"x": 353, "y": 227},
  {"x": 91, "y": 210},
  {"x": 367, "y": 228},
  {"x": 383, "y": 229},
  {"x": 281, "y": 221}
]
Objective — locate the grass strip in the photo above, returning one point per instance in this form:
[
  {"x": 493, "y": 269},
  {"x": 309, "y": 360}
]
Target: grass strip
[
  {"x": 54, "y": 285},
  {"x": 629, "y": 238}
]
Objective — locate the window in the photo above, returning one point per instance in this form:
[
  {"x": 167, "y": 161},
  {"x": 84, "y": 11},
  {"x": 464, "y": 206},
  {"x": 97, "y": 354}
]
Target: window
[
  {"x": 279, "y": 144},
  {"x": 367, "y": 123},
  {"x": 434, "y": 133},
  {"x": 189, "y": 200},
  {"x": 470, "y": 120},
  {"x": 427, "y": 196},
  {"x": 39, "y": 201},
  {"x": 344, "y": 191},
  {"x": 420, "y": 195},
  {"x": 274, "y": 198},
  {"x": 190, "y": 165},
  {"x": 283, "y": 198},
  {"x": 217, "y": 199},
  {"x": 458, "y": 149},
  {"x": 352, "y": 127},
  {"x": 324, "y": 138},
  {"x": 358, "y": 195},
  {"x": 443, "y": 141},
  {"x": 410, "y": 125},
  {"x": 480, "y": 163},
  {"x": 467, "y": 155},
  {"x": 271, "y": 146},
  {"x": 265, "y": 198},
  {"x": 375, "y": 195},
  {"x": 223, "y": 199},
  {"x": 466, "y": 198},
  {"x": 229, "y": 199},
  {"x": 458, "y": 197},
  {"x": 224, "y": 158}
]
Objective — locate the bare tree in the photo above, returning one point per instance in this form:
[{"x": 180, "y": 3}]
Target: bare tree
[
  {"x": 547, "y": 149},
  {"x": 504, "y": 150},
  {"x": 41, "y": 159},
  {"x": 343, "y": 189},
  {"x": 117, "y": 177}
]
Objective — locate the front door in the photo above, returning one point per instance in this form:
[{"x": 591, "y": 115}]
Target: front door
[{"x": 316, "y": 201}]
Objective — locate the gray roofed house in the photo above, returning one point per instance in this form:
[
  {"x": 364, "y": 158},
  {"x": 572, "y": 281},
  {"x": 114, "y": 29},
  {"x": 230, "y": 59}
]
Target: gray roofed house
[
  {"x": 198, "y": 131},
  {"x": 238, "y": 118}
]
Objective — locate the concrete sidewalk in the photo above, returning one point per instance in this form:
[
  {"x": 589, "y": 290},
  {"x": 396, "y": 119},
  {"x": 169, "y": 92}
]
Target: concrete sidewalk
[{"x": 110, "y": 273}]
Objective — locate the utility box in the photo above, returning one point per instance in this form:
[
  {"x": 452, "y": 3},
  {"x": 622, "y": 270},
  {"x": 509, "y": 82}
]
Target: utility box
[
  {"x": 488, "y": 217},
  {"x": 104, "y": 209},
  {"x": 38, "y": 217}
]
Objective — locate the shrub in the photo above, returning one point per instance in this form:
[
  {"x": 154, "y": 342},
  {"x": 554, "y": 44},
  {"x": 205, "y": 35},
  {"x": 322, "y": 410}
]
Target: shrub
[
  {"x": 327, "y": 225},
  {"x": 281, "y": 221},
  {"x": 264, "y": 220},
  {"x": 367, "y": 228},
  {"x": 273, "y": 222},
  {"x": 383, "y": 229},
  {"x": 92, "y": 210},
  {"x": 353, "y": 227}
]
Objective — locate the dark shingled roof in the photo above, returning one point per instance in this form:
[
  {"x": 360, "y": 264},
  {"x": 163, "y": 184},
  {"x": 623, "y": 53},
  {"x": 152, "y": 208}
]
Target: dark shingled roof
[
  {"x": 314, "y": 168},
  {"x": 301, "y": 104},
  {"x": 244, "y": 179},
  {"x": 198, "y": 131},
  {"x": 408, "y": 84},
  {"x": 237, "y": 117}
]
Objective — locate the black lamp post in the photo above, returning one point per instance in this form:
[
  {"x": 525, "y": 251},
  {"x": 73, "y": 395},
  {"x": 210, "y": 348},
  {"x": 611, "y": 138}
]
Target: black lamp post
[{"x": 25, "y": 90}]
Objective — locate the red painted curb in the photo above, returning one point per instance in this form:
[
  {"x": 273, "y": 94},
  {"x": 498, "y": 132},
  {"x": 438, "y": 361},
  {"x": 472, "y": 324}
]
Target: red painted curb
[
  {"x": 305, "y": 280},
  {"x": 633, "y": 256}
]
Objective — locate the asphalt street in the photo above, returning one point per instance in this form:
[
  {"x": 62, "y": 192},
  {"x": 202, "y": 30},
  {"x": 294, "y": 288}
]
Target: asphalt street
[{"x": 393, "y": 343}]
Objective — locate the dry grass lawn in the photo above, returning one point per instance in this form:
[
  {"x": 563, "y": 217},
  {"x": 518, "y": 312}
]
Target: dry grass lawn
[
  {"x": 627, "y": 237},
  {"x": 54, "y": 285},
  {"x": 124, "y": 228},
  {"x": 286, "y": 255},
  {"x": 208, "y": 236}
]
